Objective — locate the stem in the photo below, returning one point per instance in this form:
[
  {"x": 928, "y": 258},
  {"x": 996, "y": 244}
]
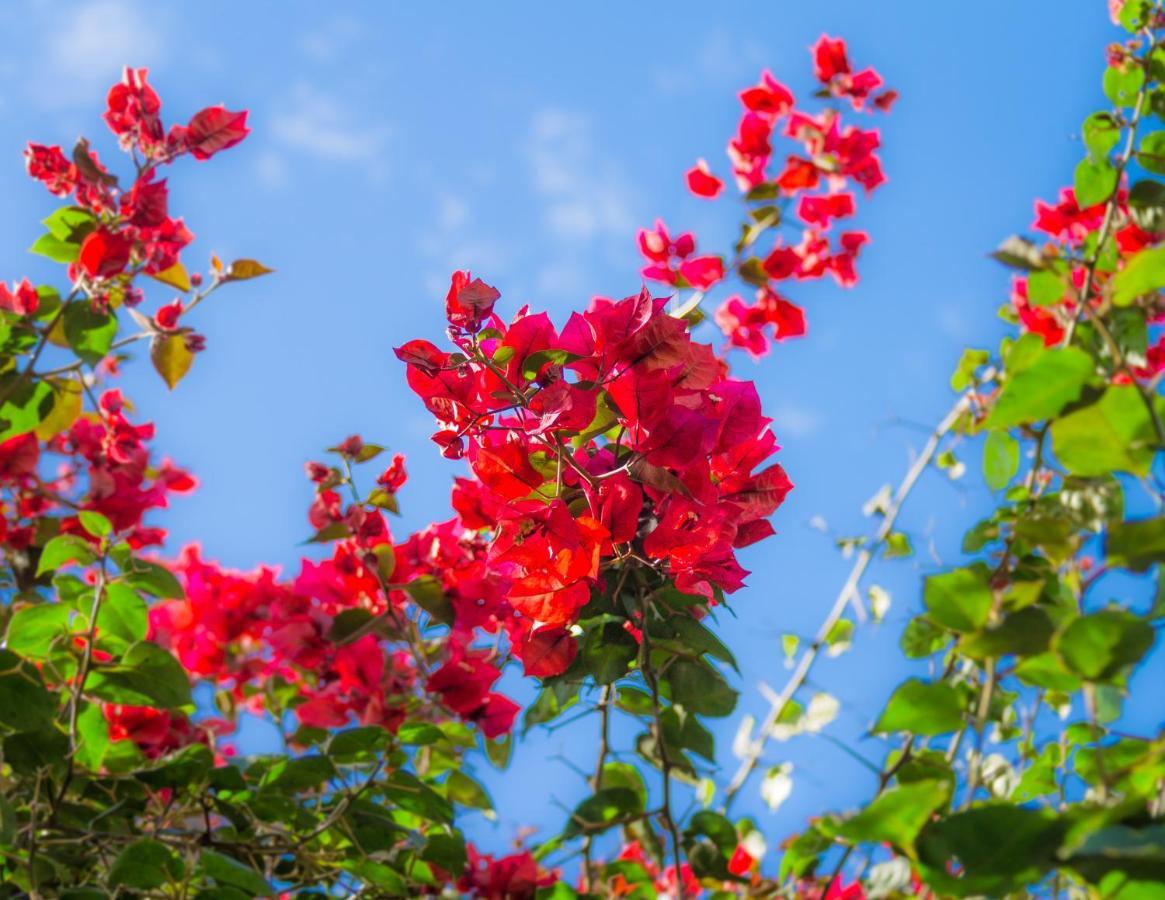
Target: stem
[
  {"x": 848, "y": 594},
  {"x": 604, "y": 708},
  {"x": 665, "y": 764},
  {"x": 1110, "y": 208},
  {"x": 79, "y": 684}
]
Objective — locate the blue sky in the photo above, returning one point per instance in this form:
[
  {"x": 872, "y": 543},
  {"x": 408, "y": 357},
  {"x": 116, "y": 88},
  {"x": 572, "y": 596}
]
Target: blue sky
[{"x": 528, "y": 142}]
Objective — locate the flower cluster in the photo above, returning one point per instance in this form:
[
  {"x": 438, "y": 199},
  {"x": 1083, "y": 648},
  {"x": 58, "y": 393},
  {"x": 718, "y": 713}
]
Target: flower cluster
[
  {"x": 246, "y": 632},
  {"x": 131, "y": 229},
  {"x": 102, "y": 465},
  {"x": 616, "y": 437},
  {"x": 1047, "y": 300},
  {"x": 815, "y": 183}
]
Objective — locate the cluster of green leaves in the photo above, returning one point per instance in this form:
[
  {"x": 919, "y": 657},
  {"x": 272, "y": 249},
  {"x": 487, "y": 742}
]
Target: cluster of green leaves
[
  {"x": 669, "y": 680},
  {"x": 1011, "y": 769}
]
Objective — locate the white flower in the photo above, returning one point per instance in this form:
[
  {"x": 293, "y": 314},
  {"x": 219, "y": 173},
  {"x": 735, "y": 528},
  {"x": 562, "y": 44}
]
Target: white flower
[{"x": 777, "y": 786}]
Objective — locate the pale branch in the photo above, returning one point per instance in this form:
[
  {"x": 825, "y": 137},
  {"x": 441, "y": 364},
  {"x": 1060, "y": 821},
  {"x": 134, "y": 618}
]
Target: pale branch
[{"x": 849, "y": 594}]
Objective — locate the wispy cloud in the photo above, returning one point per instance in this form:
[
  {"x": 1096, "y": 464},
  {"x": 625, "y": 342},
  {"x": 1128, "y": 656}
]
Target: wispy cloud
[
  {"x": 585, "y": 196},
  {"x": 721, "y": 58},
  {"x": 796, "y": 421},
  {"x": 328, "y": 41},
  {"x": 81, "y": 48},
  {"x": 320, "y": 125}
]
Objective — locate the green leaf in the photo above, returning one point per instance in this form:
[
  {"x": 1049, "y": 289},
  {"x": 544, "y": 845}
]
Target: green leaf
[
  {"x": 446, "y": 850},
  {"x": 429, "y": 595},
  {"x": 599, "y": 811},
  {"x": 1094, "y": 181},
  {"x": 700, "y": 689},
  {"x": 145, "y": 865},
  {"x": 1100, "y": 645},
  {"x": 230, "y": 872},
  {"x": 65, "y": 548},
  {"x": 897, "y": 815},
  {"x": 1045, "y": 288},
  {"x": 922, "y": 708},
  {"x": 70, "y": 224},
  {"x": 1000, "y": 459},
  {"x": 1147, "y": 204},
  {"x": 154, "y": 579},
  {"x": 299, "y": 774},
  {"x": 969, "y": 363},
  {"x": 51, "y": 246},
  {"x": 1136, "y": 544},
  {"x": 411, "y": 794},
  {"x": 89, "y": 331},
  {"x": 93, "y": 731},
  {"x": 466, "y": 791},
  {"x": 921, "y": 638},
  {"x": 1101, "y": 133},
  {"x": 1121, "y": 85},
  {"x": 607, "y": 652},
  {"x": 1042, "y": 388},
  {"x": 1113, "y": 434},
  {"x": 1000, "y": 848},
  {"x": 146, "y": 676},
  {"x": 1143, "y": 274},
  {"x": 1023, "y": 633},
  {"x": 698, "y": 637},
  {"x": 1047, "y": 671},
  {"x": 533, "y": 364},
  {"x": 95, "y": 523},
  {"x": 25, "y": 704},
  {"x": 349, "y": 623},
  {"x": 34, "y": 630},
  {"x": 26, "y": 406},
  {"x": 1152, "y": 153},
  {"x": 123, "y": 613},
  {"x": 709, "y": 841},
  {"x": 960, "y": 599}
]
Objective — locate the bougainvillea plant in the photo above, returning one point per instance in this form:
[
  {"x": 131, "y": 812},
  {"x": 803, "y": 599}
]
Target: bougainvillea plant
[{"x": 611, "y": 466}]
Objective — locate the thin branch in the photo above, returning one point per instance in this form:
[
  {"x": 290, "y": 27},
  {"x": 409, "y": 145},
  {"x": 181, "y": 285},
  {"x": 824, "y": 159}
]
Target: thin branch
[{"x": 847, "y": 595}]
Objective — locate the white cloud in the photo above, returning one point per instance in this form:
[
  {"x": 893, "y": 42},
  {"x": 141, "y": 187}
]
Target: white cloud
[
  {"x": 319, "y": 125},
  {"x": 89, "y": 44},
  {"x": 585, "y": 195},
  {"x": 720, "y": 59},
  {"x": 326, "y": 42},
  {"x": 796, "y": 422},
  {"x": 272, "y": 170}
]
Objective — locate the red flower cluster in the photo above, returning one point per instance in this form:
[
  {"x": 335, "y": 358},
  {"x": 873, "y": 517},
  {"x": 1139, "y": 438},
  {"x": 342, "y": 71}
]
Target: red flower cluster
[
  {"x": 818, "y": 176},
  {"x": 242, "y": 631},
  {"x": 514, "y": 877},
  {"x": 618, "y": 435},
  {"x": 102, "y": 465},
  {"x": 132, "y": 228},
  {"x": 1067, "y": 226},
  {"x": 156, "y": 732}
]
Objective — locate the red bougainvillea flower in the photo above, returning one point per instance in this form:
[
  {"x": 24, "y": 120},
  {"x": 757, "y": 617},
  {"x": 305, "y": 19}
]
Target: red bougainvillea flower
[
  {"x": 702, "y": 182},
  {"x": 671, "y": 261},
  {"x": 213, "y": 129},
  {"x": 822, "y": 210},
  {"x": 132, "y": 113},
  {"x": 469, "y": 303},
  {"x": 22, "y": 300},
  {"x": 514, "y": 877},
  {"x": 104, "y": 253},
  {"x": 745, "y": 325},
  {"x": 832, "y": 68},
  {"x": 768, "y": 98}
]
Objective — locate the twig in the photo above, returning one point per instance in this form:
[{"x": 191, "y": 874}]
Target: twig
[{"x": 848, "y": 593}]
